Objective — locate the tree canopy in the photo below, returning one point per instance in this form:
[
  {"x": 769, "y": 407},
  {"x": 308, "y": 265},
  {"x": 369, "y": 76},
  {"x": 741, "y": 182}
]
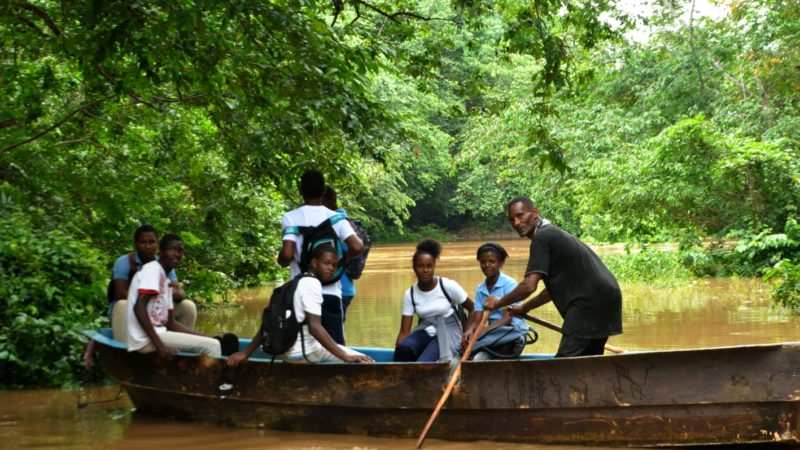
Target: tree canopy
[{"x": 199, "y": 116}]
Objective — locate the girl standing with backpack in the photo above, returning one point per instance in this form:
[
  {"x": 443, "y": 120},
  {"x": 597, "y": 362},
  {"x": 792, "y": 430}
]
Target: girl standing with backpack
[{"x": 437, "y": 302}]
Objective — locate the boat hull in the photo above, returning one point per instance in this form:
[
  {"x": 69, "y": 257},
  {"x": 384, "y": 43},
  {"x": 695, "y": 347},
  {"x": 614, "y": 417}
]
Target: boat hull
[{"x": 732, "y": 395}]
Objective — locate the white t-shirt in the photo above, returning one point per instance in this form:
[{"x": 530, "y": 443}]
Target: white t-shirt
[
  {"x": 307, "y": 299},
  {"x": 149, "y": 280},
  {"x": 433, "y": 303},
  {"x": 311, "y": 216}
]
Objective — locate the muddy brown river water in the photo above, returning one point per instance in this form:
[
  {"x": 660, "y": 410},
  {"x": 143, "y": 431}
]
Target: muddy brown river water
[{"x": 702, "y": 313}]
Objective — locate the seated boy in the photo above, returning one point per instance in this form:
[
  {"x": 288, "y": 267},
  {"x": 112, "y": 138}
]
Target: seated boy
[
  {"x": 145, "y": 245},
  {"x": 151, "y": 322},
  {"x": 319, "y": 345}
]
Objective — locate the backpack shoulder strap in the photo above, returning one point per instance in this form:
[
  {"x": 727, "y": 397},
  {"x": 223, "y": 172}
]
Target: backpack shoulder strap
[
  {"x": 296, "y": 282},
  {"x": 444, "y": 291},
  {"x": 413, "y": 303},
  {"x": 337, "y": 217},
  {"x": 132, "y": 264},
  {"x": 291, "y": 230},
  {"x": 447, "y": 296},
  {"x": 303, "y": 229}
]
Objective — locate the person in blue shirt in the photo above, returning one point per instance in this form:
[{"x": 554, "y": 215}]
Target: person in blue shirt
[
  {"x": 506, "y": 334},
  {"x": 329, "y": 200},
  {"x": 145, "y": 248}
]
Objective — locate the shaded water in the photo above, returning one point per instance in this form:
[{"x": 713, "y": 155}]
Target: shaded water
[{"x": 709, "y": 312}]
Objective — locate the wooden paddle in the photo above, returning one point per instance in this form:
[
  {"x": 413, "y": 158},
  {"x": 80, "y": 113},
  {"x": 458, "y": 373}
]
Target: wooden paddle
[
  {"x": 451, "y": 384},
  {"x": 554, "y": 327}
]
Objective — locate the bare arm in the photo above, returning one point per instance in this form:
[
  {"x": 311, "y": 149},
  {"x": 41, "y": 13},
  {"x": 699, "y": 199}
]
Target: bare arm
[
  {"x": 286, "y": 255},
  {"x": 469, "y": 305},
  {"x": 140, "y": 311},
  {"x": 354, "y": 246},
  {"x": 322, "y": 336},
  {"x": 521, "y": 292},
  {"x": 174, "y": 325},
  {"x": 120, "y": 289},
  {"x": 474, "y": 319},
  {"x": 177, "y": 292},
  {"x": 472, "y": 324},
  {"x": 537, "y": 301},
  {"x": 88, "y": 354},
  {"x": 405, "y": 328},
  {"x": 239, "y": 357}
]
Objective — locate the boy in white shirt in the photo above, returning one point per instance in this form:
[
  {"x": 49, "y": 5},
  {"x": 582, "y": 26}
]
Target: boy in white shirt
[
  {"x": 311, "y": 214},
  {"x": 313, "y": 343},
  {"x": 151, "y": 322}
]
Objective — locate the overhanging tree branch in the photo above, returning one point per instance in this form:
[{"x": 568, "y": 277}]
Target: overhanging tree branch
[
  {"x": 6, "y": 123},
  {"x": 30, "y": 24},
  {"x": 40, "y": 13},
  {"x": 52, "y": 127},
  {"x": 397, "y": 14},
  {"x": 338, "y": 6}
]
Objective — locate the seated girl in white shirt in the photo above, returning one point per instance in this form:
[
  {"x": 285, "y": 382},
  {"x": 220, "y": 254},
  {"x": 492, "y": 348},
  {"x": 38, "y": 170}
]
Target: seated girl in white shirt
[{"x": 438, "y": 337}]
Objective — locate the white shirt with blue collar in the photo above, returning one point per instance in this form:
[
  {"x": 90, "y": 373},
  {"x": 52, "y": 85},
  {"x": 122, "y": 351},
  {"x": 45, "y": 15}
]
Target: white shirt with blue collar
[{"x": 502, "y": 286}]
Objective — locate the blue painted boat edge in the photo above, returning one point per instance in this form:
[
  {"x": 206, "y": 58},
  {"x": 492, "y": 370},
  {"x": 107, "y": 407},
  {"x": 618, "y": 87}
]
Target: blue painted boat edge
[{"x": 379, "y": 354}]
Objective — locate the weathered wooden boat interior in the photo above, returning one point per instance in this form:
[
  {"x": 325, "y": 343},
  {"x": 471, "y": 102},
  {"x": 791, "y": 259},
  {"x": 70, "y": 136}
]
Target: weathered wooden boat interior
[{"x": 380, "y": 355}]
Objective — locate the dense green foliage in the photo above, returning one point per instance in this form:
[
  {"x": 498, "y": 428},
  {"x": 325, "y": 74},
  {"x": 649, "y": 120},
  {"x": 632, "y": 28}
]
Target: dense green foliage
[
  {"x": 649, "y": 265},
  {"x": 38, "y": 342},
  {"x": 199, "y": 116}
]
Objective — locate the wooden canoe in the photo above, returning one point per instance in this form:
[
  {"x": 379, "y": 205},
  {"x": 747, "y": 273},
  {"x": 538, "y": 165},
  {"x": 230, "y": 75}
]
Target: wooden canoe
[{"x": 727, "y": 395}]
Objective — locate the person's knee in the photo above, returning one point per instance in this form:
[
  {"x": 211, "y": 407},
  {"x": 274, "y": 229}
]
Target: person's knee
[
  {"x": 186, "y": 313},
  {"x": 405, "y": 351},
  {"x": 214, "y": 348},
  {"x": 119, "y": 321},
  {"x": 430, "y": 353},
  {"x": 482, "y": 356}
]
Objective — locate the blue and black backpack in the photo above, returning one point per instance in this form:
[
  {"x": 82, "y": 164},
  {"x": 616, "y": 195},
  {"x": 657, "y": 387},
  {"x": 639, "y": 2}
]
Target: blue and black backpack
[{"x": 319, "y": 235}]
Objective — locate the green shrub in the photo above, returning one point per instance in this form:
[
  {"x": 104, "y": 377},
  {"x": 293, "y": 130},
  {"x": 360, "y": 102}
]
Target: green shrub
[
  {"x": 785, "y": 276},
  {"x": 750, "y": 256},
  {"x": 648, "y": 265},
  {"x": 52, "y": 287}
]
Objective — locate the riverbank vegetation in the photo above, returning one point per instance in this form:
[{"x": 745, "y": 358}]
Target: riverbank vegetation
[{"x": 198, "y": 117}]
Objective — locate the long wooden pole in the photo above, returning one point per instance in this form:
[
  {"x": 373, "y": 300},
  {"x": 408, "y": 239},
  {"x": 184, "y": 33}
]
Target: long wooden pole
[
  {"x": 453, "y": 378},
  {"x": 554, "y": 327}
]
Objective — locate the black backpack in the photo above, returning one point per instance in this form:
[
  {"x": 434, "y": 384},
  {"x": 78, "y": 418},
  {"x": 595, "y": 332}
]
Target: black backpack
[
  {"x": 355, "y": 266},
  {"x": 279, "y": 325},
  {"x": 319, "y": 235}
]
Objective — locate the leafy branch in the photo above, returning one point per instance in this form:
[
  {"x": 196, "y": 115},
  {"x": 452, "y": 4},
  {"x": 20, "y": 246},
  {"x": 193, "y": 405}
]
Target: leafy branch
[
  {"x": 338, "y": 7},
  {"x": 52, "y": 127},
  {"x": 42, "y": 14}
]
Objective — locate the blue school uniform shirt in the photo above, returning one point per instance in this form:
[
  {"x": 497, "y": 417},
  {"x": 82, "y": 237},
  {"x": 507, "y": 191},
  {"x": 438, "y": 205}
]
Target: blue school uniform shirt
[
  {"x": 122, "y": 267},
  {"x": 503, "y": 286},
  {"x": 348, "y": 288}
]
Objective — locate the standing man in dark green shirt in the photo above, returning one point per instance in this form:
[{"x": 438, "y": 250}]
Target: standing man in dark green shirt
[{"x": 576, "y": 280}]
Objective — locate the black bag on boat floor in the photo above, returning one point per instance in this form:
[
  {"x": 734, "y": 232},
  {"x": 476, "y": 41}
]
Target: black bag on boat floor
[{"x": 279, "y": 325}]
